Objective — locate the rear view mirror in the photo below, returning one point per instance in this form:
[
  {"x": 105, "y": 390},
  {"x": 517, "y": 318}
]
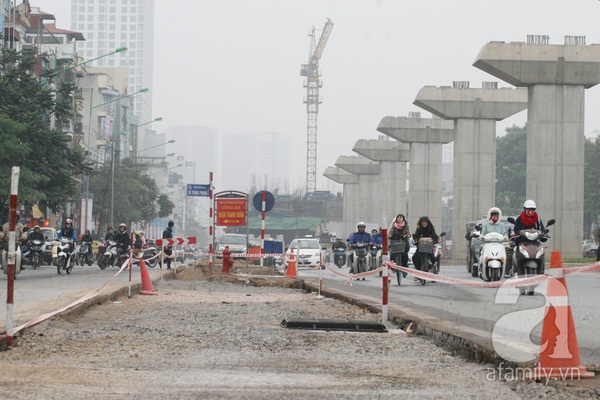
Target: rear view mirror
[
  {"x": 512, "y": 220},
  {"x": 551, "y": 222}
]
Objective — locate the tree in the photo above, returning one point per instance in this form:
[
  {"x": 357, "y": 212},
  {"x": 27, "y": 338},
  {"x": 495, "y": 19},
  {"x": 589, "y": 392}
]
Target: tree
[
  {"x": 511, "y": 167},
  {"x": 591, "y": 187},
  {"x": 136, "y": 196},
  {"x": 48, "y": 163}
]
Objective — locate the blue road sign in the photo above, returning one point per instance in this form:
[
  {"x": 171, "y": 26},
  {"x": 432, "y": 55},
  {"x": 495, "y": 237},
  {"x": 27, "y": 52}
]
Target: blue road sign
[
  {"x": 269, "y": 201},
  {"x": 198, "y": 190}
]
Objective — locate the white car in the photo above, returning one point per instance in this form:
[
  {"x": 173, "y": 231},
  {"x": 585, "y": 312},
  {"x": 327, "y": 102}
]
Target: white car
[{"x": 307, "y": 252}]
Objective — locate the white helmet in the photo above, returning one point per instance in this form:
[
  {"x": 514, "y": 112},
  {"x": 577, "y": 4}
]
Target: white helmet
[
  {"x": 494, "y": 210},
  {"x": 361, "y": 224},
  {"x": 529, "y": 204}
]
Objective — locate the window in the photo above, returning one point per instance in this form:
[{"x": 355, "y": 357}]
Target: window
[
  {"x": 102, "y": 27},
  {"x": 123, "y": 18},
  {"x": 123, "y": 36},
  {"x": 132, "y": 18},
  {"x": 101, "y": 35},
  {"x": 123, "y": 63},
  {"x": 112, "y": 18},
  {"x": 81, "y": 17},
  {"x": 111, "y": 62},
  {"x": 90, "y": 36},
  {"x": 90, "y": 18},
  {"x": 123, "y": 27},
  {"x": 111, "y": 36},
  {"x": 132, "y": 36},
  {"x": 123, "y": 10},
  {"x": 90, "y": 27},
  {"x": 90, "y": 9}
]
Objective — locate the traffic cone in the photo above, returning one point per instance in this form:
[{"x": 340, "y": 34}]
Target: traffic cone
[
  {"x": 559, "y": 352},
  {"x": 290, "y": 272},
  {"x": 147, "y": 287}
]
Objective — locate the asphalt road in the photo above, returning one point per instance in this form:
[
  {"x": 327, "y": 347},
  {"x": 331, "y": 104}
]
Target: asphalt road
[{"x": 499, "y": 310}]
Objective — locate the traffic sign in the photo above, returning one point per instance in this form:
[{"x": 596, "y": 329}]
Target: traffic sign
[
  {"x": 198, "y": 190},
  {"x": 176, "y": 241},
  {"x": 231, "y": 211},
  {"x": 269, "y": 201}
]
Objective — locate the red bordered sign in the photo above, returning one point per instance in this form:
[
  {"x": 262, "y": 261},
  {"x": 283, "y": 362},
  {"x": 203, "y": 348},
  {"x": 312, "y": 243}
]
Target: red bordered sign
[{"x": 231, "y": 212}]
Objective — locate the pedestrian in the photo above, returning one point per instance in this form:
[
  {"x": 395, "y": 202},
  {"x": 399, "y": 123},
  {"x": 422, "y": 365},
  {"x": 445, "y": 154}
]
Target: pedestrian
[{"x": 168, "y": 234}]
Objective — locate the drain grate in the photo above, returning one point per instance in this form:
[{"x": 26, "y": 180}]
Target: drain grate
[{"x": 334, "y": 325}]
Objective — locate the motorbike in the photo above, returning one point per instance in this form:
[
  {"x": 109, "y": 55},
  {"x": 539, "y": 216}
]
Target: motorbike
[
  {"x": 84, "y": 255},
  {"x": 35, "y": 253},
  {"x": 4, "y": 258},
  {"x": 528, "y": 255},
  {"x": 375, "y": 261},
  {"x": 111, "y": 257},
  {"x": 149, "y": 256},
  {"x": 425, "y": 247},
  {"x": 474, "y": 252},
  {"x": 361, "y": 261},
  {"x": 492, "y": 260},
  {"x": 339, "y": 257},
  {"x": 65, "y": 255}
]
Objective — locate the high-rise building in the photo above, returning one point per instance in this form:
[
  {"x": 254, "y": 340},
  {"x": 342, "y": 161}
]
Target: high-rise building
[
  {"x": 257, "y": 160},
  {"x": 110, "y": 24}
]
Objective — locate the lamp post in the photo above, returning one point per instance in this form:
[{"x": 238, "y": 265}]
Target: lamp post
[
  {"x": 87, "y": 182},
  {"x": 134, "y": 136},
  {"x": 117, "y": 50}
]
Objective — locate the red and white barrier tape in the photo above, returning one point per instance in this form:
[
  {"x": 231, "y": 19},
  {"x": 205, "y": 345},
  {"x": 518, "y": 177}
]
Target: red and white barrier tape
[{"x": 86, "y": 297}]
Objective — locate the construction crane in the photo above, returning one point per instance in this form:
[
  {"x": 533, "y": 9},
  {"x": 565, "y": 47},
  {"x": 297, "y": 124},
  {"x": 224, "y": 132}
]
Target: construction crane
[{"x": 312, "y": 101}]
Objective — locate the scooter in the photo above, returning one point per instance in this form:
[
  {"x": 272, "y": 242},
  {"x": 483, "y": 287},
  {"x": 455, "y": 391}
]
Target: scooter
[
  {"x": 528, "y": 256},
  {"x": 35, "y": 249},
  {"x": 474, "y": 251},
  {"x": 339, "y": 257},
  {"x": 361, "y": 261},
  {"x": 375, "y": 261},
  {"x": 65, "y": 255},
  {"x": 4, "y": 257},
  {"x": 492, "y": 260},
  {"x": 149, "y": 257},
  {"x": 109, "y": 257},
  {"x": 84, "y": 255},
  {"x": 425, "y": 247}
]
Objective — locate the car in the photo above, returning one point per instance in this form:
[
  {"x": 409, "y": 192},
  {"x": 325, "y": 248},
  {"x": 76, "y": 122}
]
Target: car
[
  {"x": 237, "y": 244},
  {"x": 589, "y": 250},
  {"x": 307, "y": 252}
]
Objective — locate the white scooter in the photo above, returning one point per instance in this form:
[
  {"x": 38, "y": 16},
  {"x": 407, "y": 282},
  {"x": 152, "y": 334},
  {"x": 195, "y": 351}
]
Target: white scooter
[{"x": 492, "y": 259}]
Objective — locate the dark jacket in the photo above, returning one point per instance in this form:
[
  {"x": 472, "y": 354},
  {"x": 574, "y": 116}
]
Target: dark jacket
[
  {"x": 69, "y": 232},
  {"x": 87, "y": 238},
  {"x": 37, "y": 235},
  {"x": 598, "y": 253},
  {"x": 123, "y": 240},
  {"x": 429, "y": 231}
]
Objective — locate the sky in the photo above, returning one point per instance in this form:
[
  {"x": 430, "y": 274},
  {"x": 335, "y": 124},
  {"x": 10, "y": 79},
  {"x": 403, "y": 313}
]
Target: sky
[{"x": 234, "y": 65}]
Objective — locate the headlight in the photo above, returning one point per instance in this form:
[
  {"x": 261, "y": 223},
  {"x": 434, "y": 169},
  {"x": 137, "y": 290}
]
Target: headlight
[{"x": 523, "y": 250}]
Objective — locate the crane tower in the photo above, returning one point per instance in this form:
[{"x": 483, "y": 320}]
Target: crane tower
[{"x": 313, "y": 84}]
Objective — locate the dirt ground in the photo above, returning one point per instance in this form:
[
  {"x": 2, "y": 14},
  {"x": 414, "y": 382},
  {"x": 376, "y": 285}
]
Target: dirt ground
[{"x": 214, "y": 336}]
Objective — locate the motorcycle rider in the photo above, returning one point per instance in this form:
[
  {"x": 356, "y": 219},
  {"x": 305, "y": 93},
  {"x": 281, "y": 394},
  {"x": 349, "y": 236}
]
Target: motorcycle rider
[
  {"x": 168, "y": 234},
  {"x": 68, "y": 231},
  {"x": 424, "y": 229},
  {"x": 338, "y": 246},
  {"x": 109, "y": 235},
  {"x": 36, "y": 233},
  {"x": 88, "y": 239},
  {"x": 123, "y": 240},
  {"x": 493, "y": 223},
  {"x": 360, "y": 236},
  {"x": 528, "y": 219},
  {"x": 399, "y": 230},
  {"x": 377, "y": 243}
]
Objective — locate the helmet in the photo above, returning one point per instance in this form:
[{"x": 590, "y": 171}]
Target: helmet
[
  {"x": 494, "y": 210},
  {"x": 529, "y": 204},
  {"x": 122, "y": 225},
  {"x": 36, "y": 227},
  {"x": 87, "y": 231},
  {"x": 361, "y": 224},
  {"x": 69, "y": 221}
]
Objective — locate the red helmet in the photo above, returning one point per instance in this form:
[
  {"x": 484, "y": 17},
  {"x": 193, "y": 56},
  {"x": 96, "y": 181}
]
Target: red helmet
[{"x": 69, "y": 221}]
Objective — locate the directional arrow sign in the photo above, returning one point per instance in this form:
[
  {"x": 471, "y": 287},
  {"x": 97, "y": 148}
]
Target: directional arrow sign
[{"x": 176, "y": 241}]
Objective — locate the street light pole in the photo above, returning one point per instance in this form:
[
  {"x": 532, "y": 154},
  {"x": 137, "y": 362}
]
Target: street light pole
[{"x": 87, "y": 182}]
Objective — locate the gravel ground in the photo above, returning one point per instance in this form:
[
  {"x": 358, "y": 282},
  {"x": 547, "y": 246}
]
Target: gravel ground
[{"x": 202, "y": 337}]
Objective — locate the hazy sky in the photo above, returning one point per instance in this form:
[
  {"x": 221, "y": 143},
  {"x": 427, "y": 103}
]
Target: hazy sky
[{"x": 234, "y": 64}]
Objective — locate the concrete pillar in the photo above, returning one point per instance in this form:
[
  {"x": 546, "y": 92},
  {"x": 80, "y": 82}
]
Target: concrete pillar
[
  {"x": 367, "y": 171},
  {"x": 350, "y": 197},
  {"x": 556, "y": 77},
  {"x": 475, "y": 112},
  {"x": 426, "y": 136},
  {"x": 392, "y": 157}
]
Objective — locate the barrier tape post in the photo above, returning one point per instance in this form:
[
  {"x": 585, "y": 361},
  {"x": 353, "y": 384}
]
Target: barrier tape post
[
  {"x": 385, "y": 276},
  {"x": 11, "y": 256},
  {"x": 162, "y": 259},
  {"x": 320, "y": 275},
  {"x": 130, "y": 268}
]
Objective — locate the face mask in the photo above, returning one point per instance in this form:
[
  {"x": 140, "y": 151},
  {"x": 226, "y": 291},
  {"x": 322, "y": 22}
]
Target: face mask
[{"x": 494, "y": 218}]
